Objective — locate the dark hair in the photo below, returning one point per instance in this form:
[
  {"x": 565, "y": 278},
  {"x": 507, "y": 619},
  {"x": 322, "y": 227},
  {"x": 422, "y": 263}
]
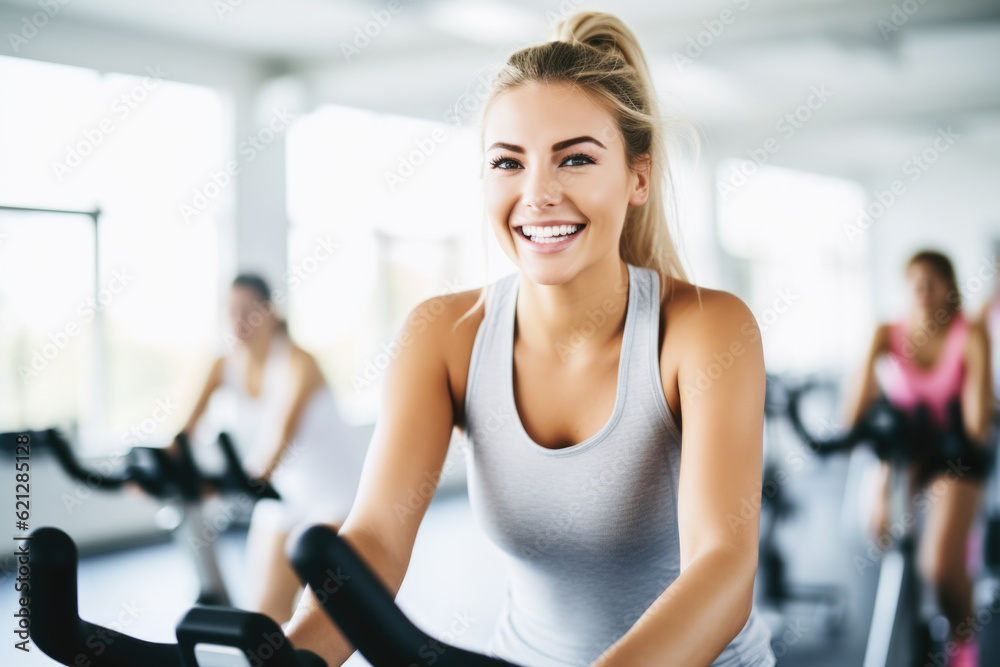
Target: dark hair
[
  {"x": 259, "y": 286},
  {"x": 940, "y": 264},
  {"x": 254, "y": 282}
]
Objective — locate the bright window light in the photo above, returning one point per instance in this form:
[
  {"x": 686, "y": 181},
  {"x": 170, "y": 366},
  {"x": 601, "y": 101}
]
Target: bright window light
[
  {"x": 403, "y": 199},
  {"x": 135, "y": 147},
  {"x": 804, "y": 277}
]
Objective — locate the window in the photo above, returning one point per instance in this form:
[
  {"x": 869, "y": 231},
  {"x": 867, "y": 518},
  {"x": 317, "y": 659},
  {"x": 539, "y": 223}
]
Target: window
[
  {"x": 804, "y": 276},
  {"x": 137, "y": 147},
  {"x": 402, "y": 199}
]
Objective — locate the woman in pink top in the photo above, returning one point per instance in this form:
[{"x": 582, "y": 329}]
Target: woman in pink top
[{"x": 932, "y": 356}]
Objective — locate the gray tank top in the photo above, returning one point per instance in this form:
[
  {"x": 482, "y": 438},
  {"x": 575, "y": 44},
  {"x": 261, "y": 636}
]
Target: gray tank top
[{"x": 589, "y": 532}]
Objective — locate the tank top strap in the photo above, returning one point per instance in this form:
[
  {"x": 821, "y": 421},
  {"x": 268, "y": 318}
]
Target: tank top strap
[
  {"x": 500, "y": 292},
  {"x": 485, "y": 350},
  {"x": 644, "y": 321},
  {"x": 644, "y": 371}
]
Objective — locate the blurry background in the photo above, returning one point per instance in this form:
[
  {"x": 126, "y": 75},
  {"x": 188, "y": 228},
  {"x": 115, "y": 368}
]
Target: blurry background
[{"x": 838, "y": 137}]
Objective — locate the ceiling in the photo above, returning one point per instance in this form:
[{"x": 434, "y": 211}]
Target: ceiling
[{"x": 892, "y": 76}]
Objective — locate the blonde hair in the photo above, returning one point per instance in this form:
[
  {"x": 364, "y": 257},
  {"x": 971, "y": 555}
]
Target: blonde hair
[{"x": 598, "y": 54}]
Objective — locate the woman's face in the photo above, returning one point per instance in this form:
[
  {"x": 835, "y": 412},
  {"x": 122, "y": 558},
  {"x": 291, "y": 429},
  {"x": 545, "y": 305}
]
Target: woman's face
[
  {"x": 555, "y": 163},
  {"x": 929, "y": 290},
  {"x": 248, "y": 315}
]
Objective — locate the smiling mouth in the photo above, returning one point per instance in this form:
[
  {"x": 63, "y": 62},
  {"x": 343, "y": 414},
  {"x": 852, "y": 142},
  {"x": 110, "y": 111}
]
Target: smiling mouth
[{"x": 549, "y": 233}]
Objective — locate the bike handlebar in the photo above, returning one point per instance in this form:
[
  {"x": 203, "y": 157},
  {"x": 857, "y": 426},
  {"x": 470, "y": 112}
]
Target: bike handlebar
[
  {"x": 156, "y": 472},
  {"x": 56, "y": 626},
  {"x": 58, "y": 630},
  {"x": 362, "y": 607},
  {"x": 896, "y": 435}
]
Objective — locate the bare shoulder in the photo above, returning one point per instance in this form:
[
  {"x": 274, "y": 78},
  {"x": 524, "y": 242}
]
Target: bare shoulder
[
  {"x": 699, "y": 326},
  {"x": 699, "y": 315},
  {"x": 444, "y": 313},
  {"x": 446, "y": 326},
  {"x": 880, "y": 340},
  {"x": 305, "y": 367},
  {"x": 300, "y": 357}
]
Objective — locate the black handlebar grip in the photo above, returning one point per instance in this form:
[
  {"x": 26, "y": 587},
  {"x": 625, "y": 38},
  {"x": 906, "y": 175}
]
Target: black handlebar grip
[
  {"x": 257, "y": 635},
  {"x": 56, "y": 626},
  {"x": 235, "y": 477},
  {"x": 52, "y": 594},
  {"x": 821, "y": 446},
  {"x": 64, "y": 454},
  {"x": 185, "y": 470},
  {"x": 362, "y": 607}
]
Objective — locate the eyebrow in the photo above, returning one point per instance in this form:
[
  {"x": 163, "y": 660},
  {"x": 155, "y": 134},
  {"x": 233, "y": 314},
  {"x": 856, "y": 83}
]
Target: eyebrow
[{"x": 514, "y": 148}]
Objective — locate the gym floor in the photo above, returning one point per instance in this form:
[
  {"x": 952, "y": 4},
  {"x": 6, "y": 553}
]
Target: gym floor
[{"x": 455, "y": 584}]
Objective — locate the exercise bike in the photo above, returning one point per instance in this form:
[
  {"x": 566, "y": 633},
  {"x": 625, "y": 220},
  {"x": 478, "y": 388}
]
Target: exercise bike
[
  {"x": 177, "y": 481},
  {"x": 775, "y": 589},
  {"x": 899, "y": 635},
  {"x": 988, "y": 633},
  {"x": 209, "y": 636}
]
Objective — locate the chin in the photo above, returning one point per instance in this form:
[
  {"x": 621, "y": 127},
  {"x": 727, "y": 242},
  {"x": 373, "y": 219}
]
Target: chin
[{"x": 558, "y": 272}]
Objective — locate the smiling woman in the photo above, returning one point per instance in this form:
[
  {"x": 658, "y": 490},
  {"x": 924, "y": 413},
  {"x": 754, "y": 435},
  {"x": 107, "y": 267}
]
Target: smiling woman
[{"x": 563, "y": 376}]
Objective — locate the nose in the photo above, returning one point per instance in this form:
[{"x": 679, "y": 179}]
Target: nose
[{"x": 541, "y": 189}]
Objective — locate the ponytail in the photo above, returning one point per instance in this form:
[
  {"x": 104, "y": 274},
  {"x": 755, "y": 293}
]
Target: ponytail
[{"x": 597, "y": 53}]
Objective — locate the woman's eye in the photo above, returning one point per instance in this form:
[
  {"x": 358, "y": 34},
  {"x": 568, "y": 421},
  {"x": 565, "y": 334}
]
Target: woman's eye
[
  {"x": 578, "y": 159},
  {"x": 504, "y": 163}
]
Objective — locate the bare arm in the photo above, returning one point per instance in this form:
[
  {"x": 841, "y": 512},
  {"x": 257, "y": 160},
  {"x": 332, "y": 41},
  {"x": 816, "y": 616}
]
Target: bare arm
[
  {"x": 407, "y": 450},
  {"x": 978, "y": 404},
  {"x": 864, "y": 389},
  {"x": 212, "y": 383},
  {"x": 982, "y": 319},
  {"x": 718, "y": 513},
  {"x": 306, "y": 379}
]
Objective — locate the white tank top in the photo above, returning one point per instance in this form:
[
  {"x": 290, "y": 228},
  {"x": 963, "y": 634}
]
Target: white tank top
[
  {"x": 320, "y": 466},
  {"x": 258, "y": 419},
  {"x": 589, "y": 531}
]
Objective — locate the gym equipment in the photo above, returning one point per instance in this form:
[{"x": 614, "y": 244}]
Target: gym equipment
[
  {"x": 900, "y": 633},
  {"x": 775, "y": 589},
  {"x": 364, "y": 610},
  {"x": 221, "y": 637},
  {"x": 989, "y": 642},
  {"x": 178, "y": 482},
  {"x": 206, "y": 636}
]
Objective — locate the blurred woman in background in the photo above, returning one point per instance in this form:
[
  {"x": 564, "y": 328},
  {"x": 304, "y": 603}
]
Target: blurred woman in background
[
  {"x": 288, "y": 428},
  {"x": 935, "y": 355}
]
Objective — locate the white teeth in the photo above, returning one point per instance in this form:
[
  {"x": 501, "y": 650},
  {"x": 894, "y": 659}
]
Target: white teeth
[{"x": 541, "y": 234}]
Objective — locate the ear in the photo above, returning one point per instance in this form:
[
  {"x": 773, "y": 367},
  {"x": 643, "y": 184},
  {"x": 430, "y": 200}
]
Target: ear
[{"x": 639, "y": 191}]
